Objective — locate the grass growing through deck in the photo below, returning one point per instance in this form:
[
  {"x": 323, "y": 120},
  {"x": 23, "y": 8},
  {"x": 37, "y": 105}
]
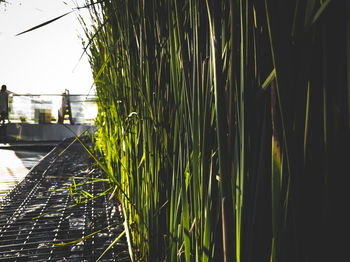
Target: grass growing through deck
[{"x": 221, "y": 125}]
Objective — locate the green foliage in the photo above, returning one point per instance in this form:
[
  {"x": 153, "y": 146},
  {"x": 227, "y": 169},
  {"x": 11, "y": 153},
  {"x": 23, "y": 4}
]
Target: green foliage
[{"x": 220, "y": 124}]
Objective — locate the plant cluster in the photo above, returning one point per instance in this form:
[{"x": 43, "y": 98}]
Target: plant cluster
[{"x": 224, "y": 125}]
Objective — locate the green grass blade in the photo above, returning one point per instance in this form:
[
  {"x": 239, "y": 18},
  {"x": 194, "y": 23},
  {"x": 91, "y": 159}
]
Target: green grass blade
[
  {"x": 269, "y": 79},
  {"x": 111, "y": 245},
  {"x": 86, "y": 237}
]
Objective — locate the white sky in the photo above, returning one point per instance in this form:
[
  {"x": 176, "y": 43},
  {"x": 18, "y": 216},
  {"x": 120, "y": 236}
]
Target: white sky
[{"x": 42, "y": 61}]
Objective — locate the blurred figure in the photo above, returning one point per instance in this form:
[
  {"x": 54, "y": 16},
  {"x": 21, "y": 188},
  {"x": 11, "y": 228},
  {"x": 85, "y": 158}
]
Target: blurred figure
[
  {"x": 65, "y": 108},
  {"x": 4, "y": 109}
]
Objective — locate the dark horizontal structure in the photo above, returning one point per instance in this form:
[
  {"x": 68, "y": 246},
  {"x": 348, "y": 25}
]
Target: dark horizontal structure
[
  {"x": 44, "y": 132},
  {"x": 54, "y": 205}
]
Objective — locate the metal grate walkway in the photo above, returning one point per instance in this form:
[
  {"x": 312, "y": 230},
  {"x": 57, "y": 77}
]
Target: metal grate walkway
[{"x": 23, "y": 238}]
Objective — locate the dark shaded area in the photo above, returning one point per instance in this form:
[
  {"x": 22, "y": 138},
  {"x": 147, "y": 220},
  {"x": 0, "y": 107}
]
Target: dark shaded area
[
  {"x": 30, "y": 158},
  {"x": 3, "y": 138},
  {"x": 29, "y": 153},
  {"x": 311, "y": 57}
]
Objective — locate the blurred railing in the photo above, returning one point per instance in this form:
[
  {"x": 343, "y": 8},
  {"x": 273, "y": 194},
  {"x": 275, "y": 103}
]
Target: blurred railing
[{"x": 43, "y": 109}]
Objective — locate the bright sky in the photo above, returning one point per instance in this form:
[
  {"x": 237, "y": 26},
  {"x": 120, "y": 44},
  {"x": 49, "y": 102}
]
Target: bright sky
[{"x": 42, "y": 61}]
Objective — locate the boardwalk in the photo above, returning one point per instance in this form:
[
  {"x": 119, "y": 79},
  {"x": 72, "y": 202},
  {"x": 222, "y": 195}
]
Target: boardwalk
[
  {"x": 15, "y": 165},
  {"x": 12, "y": 170},
  {"x": 23, "y": 238}
]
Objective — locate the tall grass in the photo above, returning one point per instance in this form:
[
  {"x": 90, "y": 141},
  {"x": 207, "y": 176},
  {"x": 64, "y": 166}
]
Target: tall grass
[{"x": 221, "y": 124}]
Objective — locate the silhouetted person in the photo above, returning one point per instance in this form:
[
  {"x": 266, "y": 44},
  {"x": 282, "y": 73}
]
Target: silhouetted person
[{"x": 4, "y": 107}]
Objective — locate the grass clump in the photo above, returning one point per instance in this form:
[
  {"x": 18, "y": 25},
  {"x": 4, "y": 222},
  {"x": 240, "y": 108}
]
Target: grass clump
[{"x": 221, "y": 124}]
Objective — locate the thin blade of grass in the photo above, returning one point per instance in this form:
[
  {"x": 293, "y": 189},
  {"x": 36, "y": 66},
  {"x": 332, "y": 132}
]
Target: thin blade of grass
[
  {"x": 44, "y": 24},
  {"x": 306, "y": 118},
  {"x": 71, "y": 206},
  {"x": 320, "y": 11},
  {"x": 269, "y": 79},
  {"x": 111, "y": 245},
  {"x": 86, "y": 237}
]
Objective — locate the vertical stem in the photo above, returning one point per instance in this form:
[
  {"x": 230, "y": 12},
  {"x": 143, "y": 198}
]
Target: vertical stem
[{"x": 221, "y": 126}]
